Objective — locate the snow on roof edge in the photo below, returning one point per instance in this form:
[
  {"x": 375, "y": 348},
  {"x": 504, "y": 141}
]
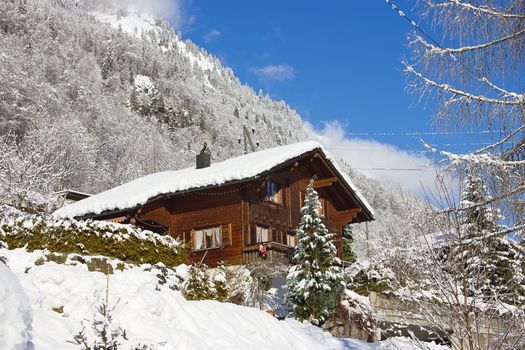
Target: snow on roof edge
[
  {"x": 142, "y": 190},
  {"x": 350, "y": 183}
]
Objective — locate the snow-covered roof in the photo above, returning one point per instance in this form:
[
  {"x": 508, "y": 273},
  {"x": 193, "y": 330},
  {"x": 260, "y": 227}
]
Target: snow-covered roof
[{"x": 247, "y": 166}]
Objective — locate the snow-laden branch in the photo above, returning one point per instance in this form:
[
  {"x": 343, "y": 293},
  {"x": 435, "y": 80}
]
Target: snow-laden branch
[
  {"x": 476, "y": 158},
  {"x": 516, "y": 190},
  {"x": 516, "y": 101},
  {"x": 502, "y": 91},
  {"x": 484, "y": 158},
  {"x": 485, "y": 10},
  {"x": 489, "y": 235},
  {"x": 500, "y": 142},
  {"x": 434, "y": 50}
]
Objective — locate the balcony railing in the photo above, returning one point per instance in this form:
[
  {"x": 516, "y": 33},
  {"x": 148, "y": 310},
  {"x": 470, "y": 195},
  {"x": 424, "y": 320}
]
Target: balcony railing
[{"x": 275, "y": 253}]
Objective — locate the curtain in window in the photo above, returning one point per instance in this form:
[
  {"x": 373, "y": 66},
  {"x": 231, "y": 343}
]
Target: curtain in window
[
  {"x": 209, "y": 237},
  {"x": 199, "y": 240},
  {"x": 217, "y": 235},
  {"x": 262, "y": 234}
]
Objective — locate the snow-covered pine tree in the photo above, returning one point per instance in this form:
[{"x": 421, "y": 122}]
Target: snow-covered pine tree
[
  {"x": 489, "y": 264},
  {"x": 348, "y": 240},
  {"x": 315, "y": 283},
  {"x": 198, "y": 286}
]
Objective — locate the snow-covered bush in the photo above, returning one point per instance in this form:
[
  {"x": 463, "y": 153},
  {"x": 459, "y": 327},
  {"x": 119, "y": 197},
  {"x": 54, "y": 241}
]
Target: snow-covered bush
[
  {"x": 219, "y": 283},
  {"x": 202, "y": 284},
  {"x": 124, "y": 242},
  {"x": 198, "y": 286},
  {"x": 242, "y": 286}
]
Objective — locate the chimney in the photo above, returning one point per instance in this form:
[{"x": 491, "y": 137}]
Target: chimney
[{"x": 203, "y": 158}]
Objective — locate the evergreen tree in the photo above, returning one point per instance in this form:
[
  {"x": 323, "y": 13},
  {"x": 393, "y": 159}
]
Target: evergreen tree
[
  {"x": 198, "y": 286},
  {"x": 348, "y": 240},
  {"x": 490, "y": 265},
  {"x": 314, "y": 284}
]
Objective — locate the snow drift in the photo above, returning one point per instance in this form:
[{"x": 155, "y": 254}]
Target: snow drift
[{"x": 15, "y": 313}]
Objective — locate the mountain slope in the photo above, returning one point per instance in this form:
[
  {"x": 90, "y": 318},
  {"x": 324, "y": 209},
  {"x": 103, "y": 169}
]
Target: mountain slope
[{"x": 69, "y": 84}]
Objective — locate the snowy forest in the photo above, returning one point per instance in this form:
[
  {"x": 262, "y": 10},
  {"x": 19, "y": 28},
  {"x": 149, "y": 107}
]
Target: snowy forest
[{"x": 94, "y": 95}]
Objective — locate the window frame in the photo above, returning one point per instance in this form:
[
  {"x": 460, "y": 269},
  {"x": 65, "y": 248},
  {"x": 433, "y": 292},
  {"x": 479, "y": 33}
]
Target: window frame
[
  {"x": 294, "y": 238},
  {"x": 267, "y": 233},
  {"x": 216, "y": 237},
  {"x": 273, "y": 192}
]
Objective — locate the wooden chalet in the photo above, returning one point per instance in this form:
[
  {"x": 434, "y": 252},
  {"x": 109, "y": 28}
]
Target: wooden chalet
[{"x": 231, "y": 210}]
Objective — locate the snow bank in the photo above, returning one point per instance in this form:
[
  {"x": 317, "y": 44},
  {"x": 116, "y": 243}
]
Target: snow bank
[
  {"x": 247, "y": 166},
  {"x": 15, "y": 313},
  {"x": 152, "y": 313}
]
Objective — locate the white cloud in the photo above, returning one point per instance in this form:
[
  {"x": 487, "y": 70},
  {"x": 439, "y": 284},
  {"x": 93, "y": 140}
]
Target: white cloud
[
  {"x": 366, "y": 155},
  {"x": 279, "y": 72},
  {"x": 169, "y": 9},
  {"x": 212, "y": 35}
]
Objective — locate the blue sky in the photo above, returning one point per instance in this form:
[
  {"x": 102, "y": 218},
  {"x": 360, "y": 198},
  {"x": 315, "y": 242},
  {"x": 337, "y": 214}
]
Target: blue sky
[
  {"x": 340, "y": 60},
  {"x": 338, "y": 63}
]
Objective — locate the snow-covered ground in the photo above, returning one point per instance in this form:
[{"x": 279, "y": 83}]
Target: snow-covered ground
[{"x": 64, "y": 299}]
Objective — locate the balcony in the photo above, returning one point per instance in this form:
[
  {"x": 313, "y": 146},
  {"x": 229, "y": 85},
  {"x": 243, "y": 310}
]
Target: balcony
[{"x": 276, "y": 253}]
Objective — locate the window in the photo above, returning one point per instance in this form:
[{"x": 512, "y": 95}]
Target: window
[
  {"x": 262, "y": 234},
  {"x": 207, "y": 238},
  {"x": 273, "y": 192},
  {"x": 322, "y": 201},
  {"x": 291, "y": 240}
]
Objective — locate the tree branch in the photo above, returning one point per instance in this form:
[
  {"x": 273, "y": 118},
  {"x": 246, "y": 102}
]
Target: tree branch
[
  {"x": 447, "y": 88},
  {"x": 431, "y": 49},
  {"x": 485, "y": 10}
]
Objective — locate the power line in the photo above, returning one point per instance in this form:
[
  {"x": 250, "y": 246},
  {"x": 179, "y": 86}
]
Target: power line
[
  {"x": 414, "y": 24},
  {"x": 415, "y": 133},
  {"x": 387, "y": 146},
  {"x": 397, "y": 169}
]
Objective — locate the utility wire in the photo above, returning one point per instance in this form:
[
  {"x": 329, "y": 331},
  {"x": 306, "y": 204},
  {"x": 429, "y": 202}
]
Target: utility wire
[
  {"x": 397, "y": 169},
  {"x": 414, "y": 24},
  {"x": 417, "y": 133}
]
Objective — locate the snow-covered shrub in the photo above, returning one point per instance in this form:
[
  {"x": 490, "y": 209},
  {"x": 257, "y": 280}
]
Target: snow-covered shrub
[
  {"x": 219, "y": 283},
  {"x": 242, "y": 287},
  {"x": 202, "y": 284},
  {"x": 198, "y": 286},
  {"x": 15, "y": 313},
  {"x": 105, "y": 333},
  {"x": 124, "y": 242}
]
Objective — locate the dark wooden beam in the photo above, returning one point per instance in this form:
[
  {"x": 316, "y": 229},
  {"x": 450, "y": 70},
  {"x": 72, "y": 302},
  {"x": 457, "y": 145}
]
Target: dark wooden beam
[
  {"x": 324, "y": 182},
  {"x": 348, "y": 215}
]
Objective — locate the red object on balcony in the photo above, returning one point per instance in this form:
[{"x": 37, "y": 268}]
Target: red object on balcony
[{"x": 262, "y": 250}]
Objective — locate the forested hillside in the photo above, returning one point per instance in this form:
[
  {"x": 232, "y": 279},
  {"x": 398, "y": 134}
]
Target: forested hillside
[{"x": 94, "y": 96}]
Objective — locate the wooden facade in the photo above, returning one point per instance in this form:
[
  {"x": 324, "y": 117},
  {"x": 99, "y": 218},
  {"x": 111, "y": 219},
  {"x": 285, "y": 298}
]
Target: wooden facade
[{"x": 230, "y": 222}]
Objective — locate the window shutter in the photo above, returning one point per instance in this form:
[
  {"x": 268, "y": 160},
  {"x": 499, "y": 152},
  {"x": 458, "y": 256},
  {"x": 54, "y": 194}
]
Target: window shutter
[
  {"x": 193, "y": 239},
  {"x": 226, "y": 235}
]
